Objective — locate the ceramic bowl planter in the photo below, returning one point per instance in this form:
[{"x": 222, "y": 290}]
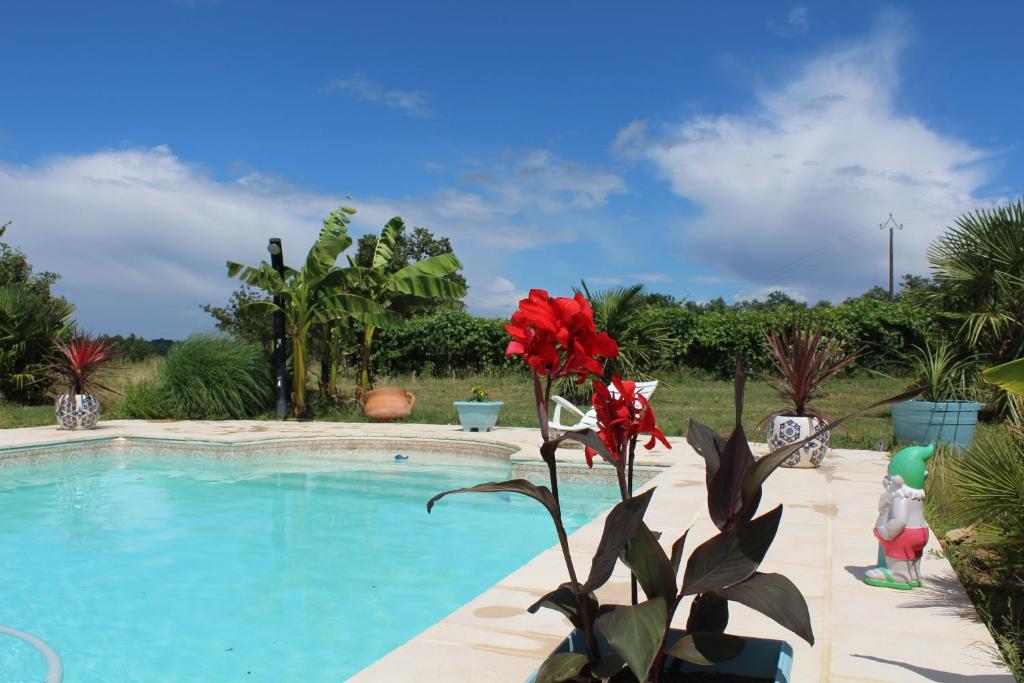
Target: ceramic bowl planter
[
  {"x": 478, "y": 416},
  {"x": 787, "y": 429},
  {"x": 923, "y": 422},
  {"x": 387, "y": 404},
  {"x": 761, "y": 659},
  {"x": 81, "y": 411}
]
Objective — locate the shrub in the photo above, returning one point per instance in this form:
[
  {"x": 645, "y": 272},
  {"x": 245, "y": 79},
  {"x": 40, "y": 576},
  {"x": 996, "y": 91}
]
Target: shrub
[
  {"x": 989, "y": 480},
  {"x": 143, "y": 402},
  {"x": 208, "y": 377},
  {"x": 446, "y": 343}
]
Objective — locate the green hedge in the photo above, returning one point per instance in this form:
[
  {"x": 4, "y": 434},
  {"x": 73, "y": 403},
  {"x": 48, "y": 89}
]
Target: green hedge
[
  {"x": 709, "y": 341},
  {"x": 446, "y": 343}
]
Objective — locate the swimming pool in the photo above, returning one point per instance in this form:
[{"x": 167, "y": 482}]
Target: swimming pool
[{"x": 137, "y": 567}]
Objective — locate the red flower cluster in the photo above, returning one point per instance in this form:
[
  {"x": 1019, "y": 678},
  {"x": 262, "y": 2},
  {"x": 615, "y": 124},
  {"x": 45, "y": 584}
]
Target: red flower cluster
[
  {"x": 623, "y": 414},
  {"x": 556, "y": 336}
]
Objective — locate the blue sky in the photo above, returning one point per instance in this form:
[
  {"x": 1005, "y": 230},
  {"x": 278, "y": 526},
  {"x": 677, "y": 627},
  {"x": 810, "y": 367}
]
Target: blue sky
[{"x": 706, "y": 149}]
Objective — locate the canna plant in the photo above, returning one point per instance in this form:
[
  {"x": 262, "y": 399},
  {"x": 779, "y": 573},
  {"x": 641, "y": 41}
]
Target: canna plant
[
  {"x": 636, "y": 642},
  {"x": 318, "y": 292}
]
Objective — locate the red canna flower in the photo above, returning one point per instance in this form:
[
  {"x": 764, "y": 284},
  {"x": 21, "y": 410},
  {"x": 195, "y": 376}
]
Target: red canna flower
[
  {"x": 622, "y": 415},
  {"x": 556, "y": 336}
]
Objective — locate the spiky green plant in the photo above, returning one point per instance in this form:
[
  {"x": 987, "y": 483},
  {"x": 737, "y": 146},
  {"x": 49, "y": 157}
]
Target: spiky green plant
[
  {"x": 989, "y": 481},
  {"x": 942, "y": 372},
  {"x": 209, "y": 377}
]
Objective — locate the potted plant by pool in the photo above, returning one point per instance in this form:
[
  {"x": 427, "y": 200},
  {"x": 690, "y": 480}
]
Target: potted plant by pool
[
  {"x": 74, "y": 367},
  {"x": 946, "y": 414},
  {"x": 477, "y": 414},
  {"x": 804, "y": 358},
  {"x": 636, "y": 642}
]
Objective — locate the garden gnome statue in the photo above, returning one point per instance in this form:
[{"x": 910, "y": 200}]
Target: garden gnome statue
[{"x": 901, "y": 529}]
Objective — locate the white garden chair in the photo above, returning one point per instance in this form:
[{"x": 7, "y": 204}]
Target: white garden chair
[{"x": 588, "y": 420}]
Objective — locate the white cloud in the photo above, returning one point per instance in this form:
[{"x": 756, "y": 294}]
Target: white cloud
[
  {"x": 797, "y": 18},
  {"x": 141, "y": 237},
  {"x": 790, "y": 194},
  {"x": 411, "y": 102}
]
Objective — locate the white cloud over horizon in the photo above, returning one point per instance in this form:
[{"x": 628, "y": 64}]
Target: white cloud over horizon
[
  {"x": 140, "y": 237},
  {"x": 790, "y": 193}
]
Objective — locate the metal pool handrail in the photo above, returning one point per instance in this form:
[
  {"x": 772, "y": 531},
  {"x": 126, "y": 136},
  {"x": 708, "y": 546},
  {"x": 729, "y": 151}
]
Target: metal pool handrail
[{"x": 54, "y": 667}]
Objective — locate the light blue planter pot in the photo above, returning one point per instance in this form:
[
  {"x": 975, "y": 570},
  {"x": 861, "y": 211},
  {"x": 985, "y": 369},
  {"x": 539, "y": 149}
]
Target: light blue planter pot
[
  {"x": 923, "y": 422},
  {"x": 478, "y": 416},
  {"x": 760, "y": 658}
]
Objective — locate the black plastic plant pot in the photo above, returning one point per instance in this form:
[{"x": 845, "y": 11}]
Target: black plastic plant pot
[{"x": 762, "y": 659}]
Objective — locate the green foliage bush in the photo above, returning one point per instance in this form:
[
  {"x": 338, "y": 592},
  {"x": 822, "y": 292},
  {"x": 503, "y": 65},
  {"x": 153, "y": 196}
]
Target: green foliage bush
[
  {"x": 143, "y": 402},
  {"x": 708, "y": 341},
  {"x": 449, "y": 342},
  {"x": 206, "y": 377}
]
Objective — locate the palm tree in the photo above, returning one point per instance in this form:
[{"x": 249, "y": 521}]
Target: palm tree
[
  {"x": 394, "y": 292},
  {"x": 978, "y": 266},
  {"x": 318, "y": 292}
]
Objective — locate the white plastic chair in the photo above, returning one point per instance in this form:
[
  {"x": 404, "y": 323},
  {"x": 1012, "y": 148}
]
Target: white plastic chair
[{"x": 588, "y": 420}]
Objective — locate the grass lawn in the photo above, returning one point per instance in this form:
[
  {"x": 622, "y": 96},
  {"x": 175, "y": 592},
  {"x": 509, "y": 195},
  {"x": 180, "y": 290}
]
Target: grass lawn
[{"x": 679, "y": 398}]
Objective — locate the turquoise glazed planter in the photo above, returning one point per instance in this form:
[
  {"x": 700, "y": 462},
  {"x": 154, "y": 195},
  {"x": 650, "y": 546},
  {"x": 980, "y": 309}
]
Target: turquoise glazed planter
[
  {"x": 761, "y": 658},
  {"x": 478, "y": 416},
  {"x": 923, "y": 422}
]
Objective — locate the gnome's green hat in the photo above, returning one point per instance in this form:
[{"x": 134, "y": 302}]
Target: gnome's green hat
[{"x": 909, "y": 464}]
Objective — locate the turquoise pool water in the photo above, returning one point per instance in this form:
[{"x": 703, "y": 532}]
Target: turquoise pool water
[{"x": 146, "y": 568}]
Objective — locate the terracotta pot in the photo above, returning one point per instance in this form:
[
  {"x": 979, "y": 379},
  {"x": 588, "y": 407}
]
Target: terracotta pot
[{"x": 387, "y": 404}]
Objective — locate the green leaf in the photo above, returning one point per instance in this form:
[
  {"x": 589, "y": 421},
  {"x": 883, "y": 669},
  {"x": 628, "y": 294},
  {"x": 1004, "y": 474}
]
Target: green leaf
[
  {"x": 757, "y": 475},
  {"x": 774, "y": 596},
  {"x": 636, "y": 632},
  {"x": 541, "y": 494},
  {"x": 731, "y": 556},
  {"x": 426, "y": 286},
  {"x": 332, "y": 240},
  {"x": 647, "y": 559},
  {"x": 620, "y": 526},
  {"x": 362, "y": 309},
  {"x": 563, "y": 599},
  {"x": 587, "y": 437},
  {"x": 561, "y": 667},
  {"x": 385, "y": 249},
  {"x": 1009, "y": 376},
  {"x": 609, "y": 665},
  {"x": 706, "y": 648},
  {"x": 436, "y": 266},
  {"x": 677, "y": 552},
  {"x": 708, "y": 612},
  {"x": 268, "y": 306}
]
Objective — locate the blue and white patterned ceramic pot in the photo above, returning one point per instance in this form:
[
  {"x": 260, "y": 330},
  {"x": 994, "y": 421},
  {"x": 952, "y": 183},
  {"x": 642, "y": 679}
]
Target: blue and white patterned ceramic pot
[{"x": 787, "y": 429}]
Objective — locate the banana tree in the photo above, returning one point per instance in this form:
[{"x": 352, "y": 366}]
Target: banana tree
[
  {"x": 318, "y": 292},
  {"x": 423, "y": 280}
]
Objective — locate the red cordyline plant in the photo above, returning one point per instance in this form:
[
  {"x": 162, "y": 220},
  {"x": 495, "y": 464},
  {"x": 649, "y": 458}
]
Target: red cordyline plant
[
  {"x": 636, "y": 642},
  {"x": 804, "y": 359},
  {"x": 77, "y": 362}
]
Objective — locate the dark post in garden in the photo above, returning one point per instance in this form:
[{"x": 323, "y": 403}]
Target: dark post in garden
[{"x": 280, "y": 371}]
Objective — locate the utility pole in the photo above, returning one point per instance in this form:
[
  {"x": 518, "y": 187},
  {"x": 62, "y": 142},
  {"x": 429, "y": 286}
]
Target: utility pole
[
  {"x": 890, "y": 223},
  {"x": 280, "y": 371}
]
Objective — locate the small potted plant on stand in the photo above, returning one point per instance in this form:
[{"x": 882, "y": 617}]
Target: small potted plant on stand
[
  {"x": 945, "y": 415},
  {"x": 804, "y": 359},
  {"x": 74, "y": 367},
  {"x": 477, "y": 414}
]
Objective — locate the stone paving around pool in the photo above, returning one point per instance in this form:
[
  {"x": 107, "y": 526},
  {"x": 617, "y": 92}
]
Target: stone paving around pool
[{"x": 824, "y": 544}]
